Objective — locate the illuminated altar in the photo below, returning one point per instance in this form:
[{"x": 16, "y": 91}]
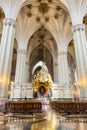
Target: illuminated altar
[
  {"x": 42, "y": 83},
  {"x": 42, "y": 88}
]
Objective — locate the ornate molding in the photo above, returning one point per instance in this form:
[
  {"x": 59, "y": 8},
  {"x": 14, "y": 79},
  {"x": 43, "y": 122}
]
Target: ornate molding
[
  {"x": 78, "y": 27},
  {"x": 22, "y": 51},
  {"x": 62, "y": 53},
  {"x": 9, "y": 22}
]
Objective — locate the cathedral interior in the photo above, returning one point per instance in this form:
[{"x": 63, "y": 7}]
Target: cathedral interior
[{"x": 43, "y": 64}]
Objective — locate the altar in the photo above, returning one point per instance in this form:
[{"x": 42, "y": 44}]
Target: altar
[
  {"x": 41, "y": 88},
  {"x": 42, "y": 85}
]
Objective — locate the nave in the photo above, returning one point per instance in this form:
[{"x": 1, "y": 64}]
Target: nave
[{"x": 49, "y": 119}]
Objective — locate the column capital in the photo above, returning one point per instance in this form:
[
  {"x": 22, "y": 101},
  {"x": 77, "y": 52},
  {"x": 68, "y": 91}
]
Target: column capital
[
  {"x": 78, "y": 27},
  {"x": 10, "y": 22},
  {"x": 22, "y": 51},
  {"x": 62, "y": 53}
]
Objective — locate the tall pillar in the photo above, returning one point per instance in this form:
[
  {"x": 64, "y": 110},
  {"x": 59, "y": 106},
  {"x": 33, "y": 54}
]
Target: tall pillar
[
  {"x": 55, "y": 73},
  {"x": 72, "y": 75},
  {"x": 81, "y": 58},
  {"x": 6, "y": 50},
  {"x": 27, "y": 71},
  {"x": 63, "y": 72},
  {"x": 20, "y": 66}
]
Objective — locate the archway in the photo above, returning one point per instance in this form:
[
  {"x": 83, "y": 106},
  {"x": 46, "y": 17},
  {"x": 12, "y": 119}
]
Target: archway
[{"x": 42, "y": 47}]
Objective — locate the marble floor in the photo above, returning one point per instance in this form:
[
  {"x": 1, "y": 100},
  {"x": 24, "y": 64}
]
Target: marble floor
[{"x": 47, "y": 120}]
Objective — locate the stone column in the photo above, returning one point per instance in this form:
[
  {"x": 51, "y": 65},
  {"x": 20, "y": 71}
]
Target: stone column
[
  {"x": 12, "y": 91},
  {"x": 6, "y": 50},
  {"x": 55, "y": 73},
  {"x": 27, "y": 71},
  {"x": 20, "y": 66},
  {"x": 72, "y": 75},
  {"x": 63, "y": 72},
  {"x": 81, "y": 58}
]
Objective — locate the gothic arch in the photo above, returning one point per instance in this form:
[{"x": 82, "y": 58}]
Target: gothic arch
[{"x": 38, "y": 55}]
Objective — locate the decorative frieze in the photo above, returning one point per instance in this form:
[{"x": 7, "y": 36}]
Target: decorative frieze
[
  {"x": 9, "y": 22},
  {"x": 78, "y": 27}
]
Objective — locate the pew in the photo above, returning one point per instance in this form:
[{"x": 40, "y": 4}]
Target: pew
[
  {"x": 23, "y": 106},
  {"x": 69, "y": 106}
]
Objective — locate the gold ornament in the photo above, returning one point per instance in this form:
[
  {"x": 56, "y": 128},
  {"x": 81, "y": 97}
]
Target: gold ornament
[{"x": 42, "y": 78}]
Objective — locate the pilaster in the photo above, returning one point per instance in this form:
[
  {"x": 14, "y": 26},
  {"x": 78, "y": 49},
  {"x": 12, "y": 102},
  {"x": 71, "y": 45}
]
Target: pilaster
[
  {"x": 81, "y": 57},
  {"x": 63, "y": 72},
  {"x": 7, "y": 41},
  {"x": 55, "y": 65},
  {"x": 21, "y": 66},
  {"x": 27, "y": 71}
]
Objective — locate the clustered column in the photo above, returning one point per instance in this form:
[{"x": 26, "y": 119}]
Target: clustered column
[
  {"x": 6, "y": 50},
  {"x": 72, "y": 75},
  {"x": 55, "y": 72},
  {"x": 63, "y": 72},
  {"x": 21, "y": 66},
  {"x": 27, "y": 71},
  {"x": 81, "y": 57}
]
